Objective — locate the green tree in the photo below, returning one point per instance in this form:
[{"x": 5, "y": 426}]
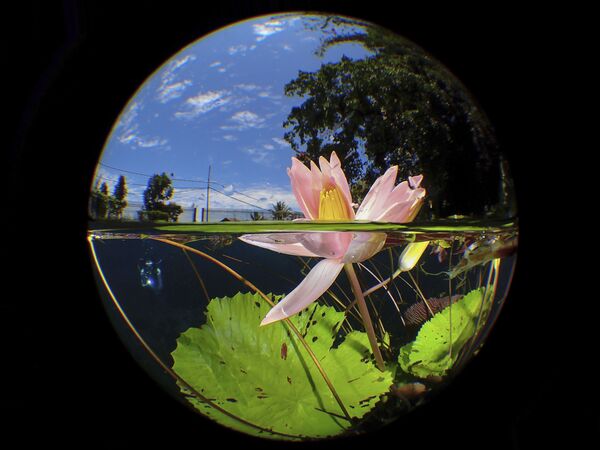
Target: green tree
[
  {"x": 281, "y": 211},
  {"x": 117, "y": 202},
  {"x": 99, "y": 201},
  {"x": 255, "y": 215},
  {"x": 395, "y": 106},
  {"x": 173, "y": 211},
  {"x": 159, "y": 190}
]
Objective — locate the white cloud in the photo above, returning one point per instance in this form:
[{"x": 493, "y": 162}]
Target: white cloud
[
  {"x": 247, "y": 119},
  {"x": 241, "y": 48},
  {"x": 150, "y": 142},
  {"x": 257, "y": 155},
  {"x": 207, "y": 100},
  {"x": 244, "y": 120},
  {"x": 215, "y": 64},
  {"x": 247, "y": 86},
  {"x": 137, "y": 141},
  {"x": 172, "y": 91},
  {"x": 130, "y": 130},
  {"x": 178, "y": 63},
  {"x": 230, "y": 137},
  {"x": 287, "y": 48},
  {"x": 188, "y": 197},
  {"x": 203, "y": 103},
  {"x": 266, "y": 29},
  {"x": 169, "y": 88},
  {"x": 258, "y": 91},
  {"x": 262, "y": 155},
  {"x": 128, "y": 118},
  {"x": 268, "y": 94},
  {"x": 262, "y": 195},
  {"x": 281, "y": 142}
]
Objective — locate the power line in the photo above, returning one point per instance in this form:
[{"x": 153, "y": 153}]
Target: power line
[
  {"x": 239, "y": 200},
  {"x": 130, "y": 183},
  {"x": 182, "y": 179},
  {"x": 246, "y": 195},
  {"x": 115, "y": 181},
  {"x": 196, "y": 189},
  {"x": 149, "y": 176}
]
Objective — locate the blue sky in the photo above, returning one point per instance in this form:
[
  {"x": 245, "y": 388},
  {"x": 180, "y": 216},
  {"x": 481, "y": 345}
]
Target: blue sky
[{"x": 219, "y": 102}]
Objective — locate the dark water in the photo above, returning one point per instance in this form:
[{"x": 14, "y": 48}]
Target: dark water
[{"x": 158, "y": 284}]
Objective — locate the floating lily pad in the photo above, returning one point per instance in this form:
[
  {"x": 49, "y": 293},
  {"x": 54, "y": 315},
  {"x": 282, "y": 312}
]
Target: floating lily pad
[
  {"x": 441, "y": 339},
  {"x": 264, "y": 375}
]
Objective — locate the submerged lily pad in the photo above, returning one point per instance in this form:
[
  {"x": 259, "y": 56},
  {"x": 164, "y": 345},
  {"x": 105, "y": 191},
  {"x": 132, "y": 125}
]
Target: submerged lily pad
[
  {"x": 441, "y": 339},
  {"x": 266, "y": 377}
]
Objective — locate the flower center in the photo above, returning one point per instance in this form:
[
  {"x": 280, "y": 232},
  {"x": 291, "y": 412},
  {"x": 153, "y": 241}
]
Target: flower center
[{"x": 332, "y": 204}]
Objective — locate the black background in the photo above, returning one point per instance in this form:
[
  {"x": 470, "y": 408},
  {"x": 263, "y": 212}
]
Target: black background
[{"x": 69, "y": 68}]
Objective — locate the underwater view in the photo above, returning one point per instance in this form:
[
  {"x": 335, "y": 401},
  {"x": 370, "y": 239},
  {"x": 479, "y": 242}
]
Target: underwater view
[
  {"x": 302, "y": 226},
  {"x": 195, "y": 302}
]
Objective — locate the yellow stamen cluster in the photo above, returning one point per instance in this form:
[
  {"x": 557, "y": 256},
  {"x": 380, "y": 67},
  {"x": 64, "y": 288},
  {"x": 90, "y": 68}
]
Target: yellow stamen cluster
[{"x": 332, "y": 204}]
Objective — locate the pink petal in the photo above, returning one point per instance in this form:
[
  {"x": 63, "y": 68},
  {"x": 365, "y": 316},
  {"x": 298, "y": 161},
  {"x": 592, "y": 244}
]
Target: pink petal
[
  {"x": 375, "y": 201},
  {"x": 325, "y": 168},
  {"x": 415, "y": 210},
  {"x": 400, "y": 193},
  {"x": 326, "y": 244},
  {"x": 400, "y": 204},
  {"x": 303, "y": 186},
  {"x": 286, "y": 243},
  {"x": 363, "y": 246},
  {"x": 396, "y": 213},
  {"x": 403, "y": 211},
  {"x": 415, "y": 181},
  {"x": 318, "y": 280},
  {"x": 316, "y": 174}
]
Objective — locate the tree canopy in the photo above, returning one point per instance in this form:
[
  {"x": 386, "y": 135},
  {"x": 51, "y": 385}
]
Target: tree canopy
[
  {"x": 117, "y": 202},
  {"x": 396, "y": 106},
  {"x": 103, "y": 205},
  {"x": 159, "y": 190},
  {"x": 281, "y": 211},
  {"x": 99, "y": 201}
]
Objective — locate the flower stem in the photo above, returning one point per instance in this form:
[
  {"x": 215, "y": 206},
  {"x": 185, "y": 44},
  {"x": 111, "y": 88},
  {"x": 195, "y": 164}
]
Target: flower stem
[{"x": 364, "y": 312}]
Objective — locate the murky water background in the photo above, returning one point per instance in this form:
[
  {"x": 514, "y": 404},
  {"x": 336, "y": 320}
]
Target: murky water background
[{"x": 158, "y": 285}]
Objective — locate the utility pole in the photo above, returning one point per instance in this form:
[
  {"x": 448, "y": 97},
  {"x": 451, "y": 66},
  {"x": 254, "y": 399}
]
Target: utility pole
[{"x": 207, "y": 193}]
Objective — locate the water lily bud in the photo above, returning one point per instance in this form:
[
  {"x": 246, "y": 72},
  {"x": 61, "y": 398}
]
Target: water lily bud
[{"x": 411, "y": 254}]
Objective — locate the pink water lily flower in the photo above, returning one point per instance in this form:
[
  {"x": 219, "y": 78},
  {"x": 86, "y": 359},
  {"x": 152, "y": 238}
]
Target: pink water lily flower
[{"x": 323, "y": 194}]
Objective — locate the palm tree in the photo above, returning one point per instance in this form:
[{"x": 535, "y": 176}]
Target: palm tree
[
  {"x": 281, "y": 211},
  {"x": 255, "y": 215}
]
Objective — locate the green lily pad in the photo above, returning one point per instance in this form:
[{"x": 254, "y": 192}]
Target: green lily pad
[
  {"x": 264, "y": 375},
  {"x": 441, "y": 339}
]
